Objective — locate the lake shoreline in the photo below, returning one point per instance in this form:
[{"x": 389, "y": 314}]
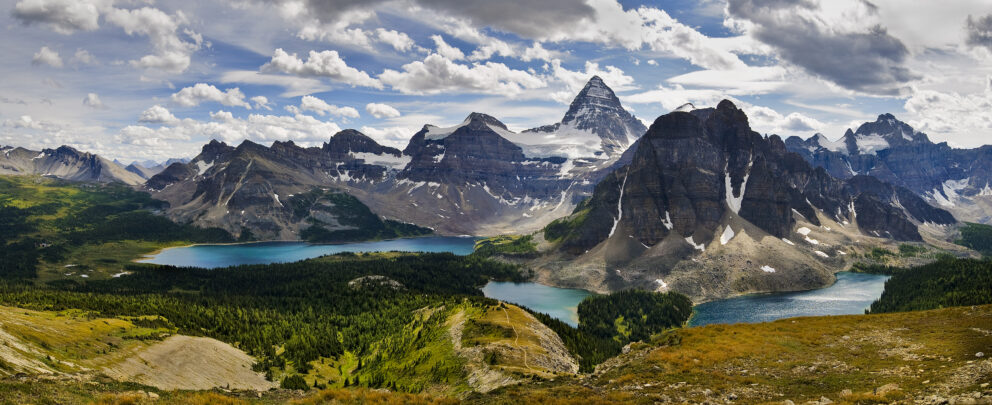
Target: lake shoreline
[
  {"x": 218, "y": 255},
  {"x": 156, "y": 252},
  {"x": 851, "y": 293}
]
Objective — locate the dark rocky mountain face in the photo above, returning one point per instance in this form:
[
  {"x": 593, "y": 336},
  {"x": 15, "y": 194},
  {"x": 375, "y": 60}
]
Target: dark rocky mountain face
[
  {"x": 597, "y": 109},
  {"x": 475, "y": 154},
  {"x": 709, "y": 207},
  {"x": 691, "y": 170},
  {"x": 453, "y": 179},
  {"x": 66, "y": 163},
  {"x": 249, "y": 187},
  {"x": 895, "y": 153}
]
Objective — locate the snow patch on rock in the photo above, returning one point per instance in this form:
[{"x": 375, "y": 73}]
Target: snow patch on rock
[
  {"x": 727, "y": 235},
  {"x": 699, "y": 247}
]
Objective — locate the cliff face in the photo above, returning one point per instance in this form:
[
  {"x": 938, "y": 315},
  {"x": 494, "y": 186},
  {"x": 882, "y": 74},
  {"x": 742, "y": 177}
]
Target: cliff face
[
  {"x": 692, "y": 169},
  {"x": 700, "y": 182}
]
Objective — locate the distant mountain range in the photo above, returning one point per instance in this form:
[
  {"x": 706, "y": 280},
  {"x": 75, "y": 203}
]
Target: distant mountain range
[
  {"x": 149, "y": 168},
  {"x": 66, "y": 163},
  {"x": 892, "y": 151},
  {"x": 477, "y": 177}
]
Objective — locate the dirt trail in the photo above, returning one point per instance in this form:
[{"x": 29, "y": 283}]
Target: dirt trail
[
  {"x": 190, "y": 363},
  {"x": 516, "y": 339}
]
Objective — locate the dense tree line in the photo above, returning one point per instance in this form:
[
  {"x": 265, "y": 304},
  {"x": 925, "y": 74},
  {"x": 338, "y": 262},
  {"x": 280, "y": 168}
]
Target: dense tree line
[
  {"x": 632, "y": 315},
  {"x": 977, "y": 237},
  {"x": 309, "y": 308},
  {"x": 609, "y": 322},
  {"x": 46, "y": 223},
  {"x": 944, "y": 283}
]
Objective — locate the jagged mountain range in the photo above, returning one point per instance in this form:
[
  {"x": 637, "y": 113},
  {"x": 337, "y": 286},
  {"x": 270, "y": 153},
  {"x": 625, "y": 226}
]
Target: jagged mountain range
[
  {"x": 698, "y": 203},
  {"x": 710, "y": 208},
  {"x": 892, "y": 151},
  {"x": 477, "y": 177},
  {"x": 700, "y": 177}
]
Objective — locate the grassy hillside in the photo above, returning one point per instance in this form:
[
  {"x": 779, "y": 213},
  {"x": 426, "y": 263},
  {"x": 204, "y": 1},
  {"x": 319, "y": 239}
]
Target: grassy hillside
[
  {"x": 58, "y": 229},
  {"x": 858, "y": 359},
  {"x": 847, "y": 359},
  {"x": 290, "y": 315},
  {"x": 70, "y": 341},
  {"x": 512, "y": 245}
]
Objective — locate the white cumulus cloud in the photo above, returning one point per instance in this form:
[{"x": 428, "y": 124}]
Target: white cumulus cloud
[
  {"x": 157, "y": 114},
  {"x": 379, "y": 110},
  {"x": 200, "y": 92},
  {"x": 62, "y": 16},
  {"x": 173, "y": 48},
  {"x": 92, "y": 100},
  {"x": 46, "y": 56},
  {"x": 324, "y": 64},
  {"x": 311, "y": 103},
  {"x": 448, "y": 51},
  {"x": 398, "y": 40},
  {"x": 261, "y": 102},
  {"x": 436, "y": 74}
]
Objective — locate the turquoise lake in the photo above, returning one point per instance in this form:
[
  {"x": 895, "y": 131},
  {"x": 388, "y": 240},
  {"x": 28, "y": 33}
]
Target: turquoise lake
[
  {"x": 560, "y": 303},
  {"x": 850, "y": 295},
  {"x": 213, "y": 256}
]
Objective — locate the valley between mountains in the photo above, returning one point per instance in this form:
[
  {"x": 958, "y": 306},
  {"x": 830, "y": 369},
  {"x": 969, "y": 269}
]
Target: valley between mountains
[{"x": 650, "y": 218}]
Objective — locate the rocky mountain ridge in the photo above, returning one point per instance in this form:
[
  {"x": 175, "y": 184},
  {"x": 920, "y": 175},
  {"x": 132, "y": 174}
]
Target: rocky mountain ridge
[
  {"x": 64, "y": 162},
  {"x": 477, "y": 177},
  {"x": 892, "y": 151},
  {"x": 707, "y": 198}
]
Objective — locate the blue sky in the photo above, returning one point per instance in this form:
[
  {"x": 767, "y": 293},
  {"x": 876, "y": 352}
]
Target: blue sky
[{"x": 136, "y": 80}]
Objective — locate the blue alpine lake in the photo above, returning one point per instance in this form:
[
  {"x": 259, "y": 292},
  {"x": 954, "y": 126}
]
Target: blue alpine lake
[
  {"x": 214, "y": 256},
  {"x": 850, "y": 295},
  {"x": 560, "y": 303}
]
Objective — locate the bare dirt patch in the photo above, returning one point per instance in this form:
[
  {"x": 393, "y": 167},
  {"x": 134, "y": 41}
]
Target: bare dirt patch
[{"x": 190, "y": 363}]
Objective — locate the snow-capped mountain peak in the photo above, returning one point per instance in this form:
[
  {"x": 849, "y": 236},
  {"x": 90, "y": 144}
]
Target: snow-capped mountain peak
[
  {"x": 885, "y": 132},
  {"x": 597, "y": 111}
]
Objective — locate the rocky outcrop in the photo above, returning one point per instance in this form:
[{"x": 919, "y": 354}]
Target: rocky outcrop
[
  {"x": 474, "y": 153},
  {"x": 692, "y": 169}
]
